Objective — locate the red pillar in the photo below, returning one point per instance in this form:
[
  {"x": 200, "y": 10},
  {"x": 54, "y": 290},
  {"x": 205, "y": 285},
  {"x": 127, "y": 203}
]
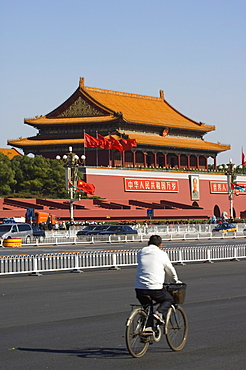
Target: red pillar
[
  {"x": 155, "y": 160},
  {"x": 164, "y": 160},
  {"x": 134, "y": 159},
  {"x": 197, "y": 162},
  {"x": 145, "y": 159},
  {"x": 188, "y": 162},
  {"x": 215, "y": 164},
  {"x": 123, "y": 159}
]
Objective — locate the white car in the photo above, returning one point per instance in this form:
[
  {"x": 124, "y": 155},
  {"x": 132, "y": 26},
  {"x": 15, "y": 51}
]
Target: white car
[{"x": 16, "y": 230}]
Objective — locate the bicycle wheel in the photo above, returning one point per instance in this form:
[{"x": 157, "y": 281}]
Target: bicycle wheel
[
  {"x": 137, "y": 343},
  {"x": 176, "y": 328}
]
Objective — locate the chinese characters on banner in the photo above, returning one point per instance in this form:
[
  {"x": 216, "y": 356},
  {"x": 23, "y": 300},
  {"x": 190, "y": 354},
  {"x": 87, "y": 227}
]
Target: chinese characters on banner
[
  {"x": 153, "y": 185},
  {"x": 221, "y": 188},
  {"x": 218, "y": 187}
]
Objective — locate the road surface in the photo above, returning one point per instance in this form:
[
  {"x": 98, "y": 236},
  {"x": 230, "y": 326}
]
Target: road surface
[{"x": 63, "y": 321}]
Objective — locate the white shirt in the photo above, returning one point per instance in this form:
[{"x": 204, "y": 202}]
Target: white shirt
[{"x": 153, "y": 263}]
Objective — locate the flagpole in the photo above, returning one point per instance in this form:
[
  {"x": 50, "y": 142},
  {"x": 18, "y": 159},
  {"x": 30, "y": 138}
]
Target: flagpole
[
  {"x": 84, "y": 142},
  {"x": 109, "y": 153},
  {"x": 97, "y": 151}
]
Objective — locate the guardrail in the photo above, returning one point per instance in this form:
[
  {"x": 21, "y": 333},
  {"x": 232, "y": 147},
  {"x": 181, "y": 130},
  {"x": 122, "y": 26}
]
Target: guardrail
[
  {"x": 65, "y": 237},
  {"x": 57, "y": 238},
  {"x": 182, "y": 228},
  {"x": 36, "y": 264},
  {"x": 167, "y": 232}
]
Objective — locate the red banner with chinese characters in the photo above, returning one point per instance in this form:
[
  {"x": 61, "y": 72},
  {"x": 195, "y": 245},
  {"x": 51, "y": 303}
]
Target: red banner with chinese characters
[
  {"x": 151, "y": 185},
  {"x": 218, "y": 187}
]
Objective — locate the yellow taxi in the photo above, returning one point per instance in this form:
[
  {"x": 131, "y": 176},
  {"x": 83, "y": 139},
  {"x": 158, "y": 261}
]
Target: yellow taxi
[{"x": 225, "y": 227}]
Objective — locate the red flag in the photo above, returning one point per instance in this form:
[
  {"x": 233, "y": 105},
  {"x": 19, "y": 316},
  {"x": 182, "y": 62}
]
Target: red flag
[
  {"x": 243, "y": 158},
  {"x": 104, "y": 143},
  {"x": 90, "y": 141},
  {"x": 128, "y": 144},
  {"x": 115, "y": 144},
  {"x": 84, "y": 186}
]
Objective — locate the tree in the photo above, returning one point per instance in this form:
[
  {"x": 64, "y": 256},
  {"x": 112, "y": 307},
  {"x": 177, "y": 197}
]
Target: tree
[
  {"x": 54, "y": 184},
  {"x": 7, "y": 175},
  {"x": 38, "y": 176}
]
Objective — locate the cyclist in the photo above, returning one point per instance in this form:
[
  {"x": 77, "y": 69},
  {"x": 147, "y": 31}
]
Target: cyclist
[{"x": 153, "y": 263}]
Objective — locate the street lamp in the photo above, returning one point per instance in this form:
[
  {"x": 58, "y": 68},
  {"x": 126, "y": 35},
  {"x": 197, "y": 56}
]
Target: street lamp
[
  {"x": 72, "y": 162},
  {"x": 230, "y": 172}
]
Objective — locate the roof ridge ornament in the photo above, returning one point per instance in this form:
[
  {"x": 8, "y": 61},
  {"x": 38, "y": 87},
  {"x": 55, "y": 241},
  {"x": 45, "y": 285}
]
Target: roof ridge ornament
[
  {"x": 119, "y": 114},
  {"x": 162, "y": 94},
  {"x": 82, "y": 82}
]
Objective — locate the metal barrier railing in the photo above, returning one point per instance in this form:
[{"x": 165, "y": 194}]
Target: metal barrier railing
[
  {"x": 58, "y": 238},
  {"x": 168, "y": 233},
  {"x": 35, "y": 264}
]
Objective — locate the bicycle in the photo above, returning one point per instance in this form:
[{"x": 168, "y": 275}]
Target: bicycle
[{"x": 142, "y": 329}]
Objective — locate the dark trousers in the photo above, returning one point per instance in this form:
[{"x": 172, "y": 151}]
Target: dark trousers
[{"x": 161, "y": 296}]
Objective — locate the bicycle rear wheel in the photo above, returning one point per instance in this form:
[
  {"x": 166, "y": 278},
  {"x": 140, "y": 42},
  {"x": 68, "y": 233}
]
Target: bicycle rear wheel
[
  {"x": 176, "y": 328},
  {"x": 136, "y": 341}
]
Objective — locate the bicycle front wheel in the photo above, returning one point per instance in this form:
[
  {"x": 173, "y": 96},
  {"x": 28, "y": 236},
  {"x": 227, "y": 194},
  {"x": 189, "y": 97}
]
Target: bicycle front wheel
[
  {"x": 136, "y": 341},
  {"x": 176, "y": 328}
]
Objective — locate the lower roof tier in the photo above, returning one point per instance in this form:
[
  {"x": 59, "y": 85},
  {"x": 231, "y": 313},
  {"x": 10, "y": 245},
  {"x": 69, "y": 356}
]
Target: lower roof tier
[{"x": 159, "y": 142}]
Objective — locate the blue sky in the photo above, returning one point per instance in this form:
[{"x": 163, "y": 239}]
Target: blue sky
[{"x": 194, "y": 50}]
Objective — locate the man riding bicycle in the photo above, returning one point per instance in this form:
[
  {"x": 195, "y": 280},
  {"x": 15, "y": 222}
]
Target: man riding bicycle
[{"x": 153, "y": 264}]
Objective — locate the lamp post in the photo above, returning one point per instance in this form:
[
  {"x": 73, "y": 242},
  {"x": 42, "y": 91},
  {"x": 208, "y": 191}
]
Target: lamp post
[
  {"x": 72, "y": 162},
  {"x": 230, "y": 172}
]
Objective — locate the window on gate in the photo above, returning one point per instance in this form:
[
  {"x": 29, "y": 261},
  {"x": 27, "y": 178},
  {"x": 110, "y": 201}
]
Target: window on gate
[
  {"x": 139, "y": 157},
  {"x": 129, "y": 156},
  {"x": 150, "y": 159},
  {"x": 193, "y": 161},
  {"x": 183, "y": 160}
]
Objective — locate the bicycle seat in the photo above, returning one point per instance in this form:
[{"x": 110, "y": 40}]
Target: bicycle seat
[{"x": 145, "y": 300}]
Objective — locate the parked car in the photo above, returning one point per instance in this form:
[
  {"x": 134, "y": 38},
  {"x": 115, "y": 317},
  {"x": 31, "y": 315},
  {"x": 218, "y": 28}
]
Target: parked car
[
  {"x": 106, "y": 230},
  {"x": 118, "y": 230},
  {"x": 16, "y": 230},
  {"x": 38, "y": 233},
  {"x": 91, "y": 229},
  {"x": 225, "y": 227}
]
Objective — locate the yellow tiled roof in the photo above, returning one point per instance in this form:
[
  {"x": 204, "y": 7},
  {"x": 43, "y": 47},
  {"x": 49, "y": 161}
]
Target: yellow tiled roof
[
  {"x": 134, "y": 108},
  {"x": 43, "y": 120},
  {"x": 145, "y": 109},
  {"x": 10, "y": 152},
  {"x": 152, "y": 140},
  {"x": 169, "y": 141},
  {"x": 25, "y": 142}
]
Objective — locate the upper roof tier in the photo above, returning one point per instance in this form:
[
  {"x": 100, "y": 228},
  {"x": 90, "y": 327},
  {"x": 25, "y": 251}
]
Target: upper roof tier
[{"x": 89, "y": 104}]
